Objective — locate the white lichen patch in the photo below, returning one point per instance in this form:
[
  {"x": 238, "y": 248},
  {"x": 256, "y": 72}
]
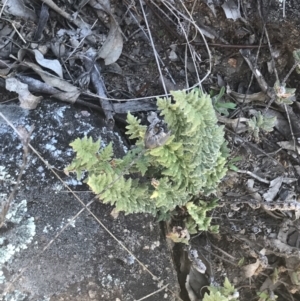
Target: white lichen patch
[
  {"x": 58, "y": 187},
  {"x": 3, "y": 173},
  {"x": 19, "y": 296},
  {"x": 154, "y": 245},
  {"x": 69, "y": 221},
  {"x": 4, "y": 176},
  {"x": 72, "y": 222},
  {"x": 40, "y": 169},
  {"x": 50, "y": 146},
  {"x": 130, "y": 260},
  {"x": 105, "y": 132},
  {"x": 72, "y": 182},
  {"x": 48, "y": 228},
  {"x": 15, "y": 296},
  {"x": 125, "y": 149},
  {"x": 2, "y": 278},
  {"x": 110, "y": 282},
  {"x": 19, "y": 237},
  {"x": 59, "y": 113}
]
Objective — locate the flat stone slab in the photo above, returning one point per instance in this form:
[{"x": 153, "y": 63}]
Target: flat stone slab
[{"x": 44, "y": 254}]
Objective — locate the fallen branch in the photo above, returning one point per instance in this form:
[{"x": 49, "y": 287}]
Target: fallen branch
[
  {"x": 97, "y": 82},
  {"x": 37, "y": 86},
  {"x": 76, "y": 21}
]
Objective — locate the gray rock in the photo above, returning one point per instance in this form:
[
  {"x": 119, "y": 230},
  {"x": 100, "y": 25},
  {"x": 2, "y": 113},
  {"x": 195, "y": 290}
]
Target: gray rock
[{"x": 39, "y": 259}]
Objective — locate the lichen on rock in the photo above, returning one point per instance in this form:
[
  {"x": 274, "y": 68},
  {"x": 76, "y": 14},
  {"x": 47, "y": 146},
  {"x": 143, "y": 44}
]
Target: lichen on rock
[{"x": 17, "y": 237}]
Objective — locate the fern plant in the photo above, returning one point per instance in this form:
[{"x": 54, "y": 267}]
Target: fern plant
[
  {"x": 191, "y": 161},
  {"x": 225, "y": 293},
  {"x": 260, "y": 122},
  {"x": 220, "y": 105},
  {"x": 198, "y": 219}
]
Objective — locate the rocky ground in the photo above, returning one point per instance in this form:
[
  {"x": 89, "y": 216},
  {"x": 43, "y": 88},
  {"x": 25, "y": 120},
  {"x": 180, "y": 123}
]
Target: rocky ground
[{"x": 53, "y": 248}]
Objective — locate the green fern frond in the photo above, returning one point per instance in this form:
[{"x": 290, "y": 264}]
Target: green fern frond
[
  {"x": 198, "y": 214},
  {"x": 225, "y": 293},
  {"x": 106, "y": 153},
  {"x": 192, "y": 161},
  {"x": 261, "y": 122},
  {"x": 86, "y": 150},
  {"x": 193, "y": 121},
  {"x": 86, "y": 155},
  {"x": 134, "y": 128}
]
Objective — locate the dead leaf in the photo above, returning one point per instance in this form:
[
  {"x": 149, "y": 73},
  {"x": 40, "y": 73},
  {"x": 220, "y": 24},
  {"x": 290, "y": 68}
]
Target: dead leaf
[
  {"x": 211, "y": 5},
  {"x": 101, "y": 4},
  {"x": 5, "y": 68},
  {"x": 38, "y": 86},
  {"x": 5, "y": 44},
  {"x": 293, "y": 267},
  {"x": 281, "y": 123},
  {"x": 246, "y": 98},
  {"x": 274, "y": 188},
  {"x": 253, "y": 191},
  {"x": 115, "y": 213},
  {"x": 43, "y": 19},
  {"x": 289, "y": 145},
  {"x": 18, "y": 9},
  {"x": 113, "y": 45},
  {"x": 269, "y": 285},
  {"x": 232, "y": 62},
  {"x": 179, "y": 235},
  {"x": 58, "y": 48},
  {"x": 69, "y": 92},
  {"x": 231, "y": 10},
  {"x": 284, "y": 229},
  {"x": 236, "y": 124},
  {"x": 53, "y": 65},
  {"x": 284, "y": 249},
  {"x": 250, "y": 269},
  {"x": 170, "y": 86},
  {"x": 28, "y": 100}
]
